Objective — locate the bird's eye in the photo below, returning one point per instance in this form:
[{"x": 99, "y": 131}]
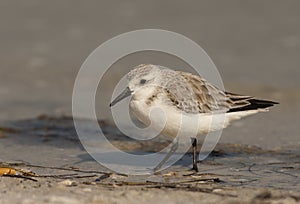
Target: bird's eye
[{"x": 143, "y": 81}]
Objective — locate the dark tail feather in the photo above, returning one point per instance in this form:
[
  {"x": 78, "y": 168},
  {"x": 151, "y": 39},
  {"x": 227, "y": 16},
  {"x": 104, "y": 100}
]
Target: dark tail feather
[{"x": 255, "y": 104}]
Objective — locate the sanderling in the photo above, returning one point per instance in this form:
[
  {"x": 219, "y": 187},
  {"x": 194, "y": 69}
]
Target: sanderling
[{"x": 179, "y": 93}]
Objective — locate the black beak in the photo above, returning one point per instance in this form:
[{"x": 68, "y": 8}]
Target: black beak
[{"x": 127, "y": 92}]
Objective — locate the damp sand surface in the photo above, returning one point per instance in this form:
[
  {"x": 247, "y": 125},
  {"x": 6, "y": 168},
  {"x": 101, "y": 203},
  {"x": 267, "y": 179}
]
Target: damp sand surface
[{"x": 52, "y": 167}]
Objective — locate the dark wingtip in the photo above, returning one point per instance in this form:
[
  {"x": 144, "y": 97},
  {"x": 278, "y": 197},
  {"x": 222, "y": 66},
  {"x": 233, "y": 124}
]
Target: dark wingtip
[
  {"x": 263, "y": 102},
  {"x": 255, "y": 104}
]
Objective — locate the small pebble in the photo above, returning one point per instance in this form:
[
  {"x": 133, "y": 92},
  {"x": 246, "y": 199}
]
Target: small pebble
[
  {"x": 68, "y": 183},
  {"x": 217, "y": 190},
  {"x": 87, "y": 190}
]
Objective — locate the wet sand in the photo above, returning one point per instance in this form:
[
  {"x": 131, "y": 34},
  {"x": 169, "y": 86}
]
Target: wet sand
[{"x": 54, "y": 167}]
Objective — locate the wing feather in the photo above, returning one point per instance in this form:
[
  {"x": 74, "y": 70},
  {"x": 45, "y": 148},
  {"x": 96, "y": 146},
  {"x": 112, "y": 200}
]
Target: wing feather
[{"x": 212, "y": 99}]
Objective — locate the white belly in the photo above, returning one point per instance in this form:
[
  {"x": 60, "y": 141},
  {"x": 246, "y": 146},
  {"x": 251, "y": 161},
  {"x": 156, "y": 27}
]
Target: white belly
[{"x": 171, "y": 122}]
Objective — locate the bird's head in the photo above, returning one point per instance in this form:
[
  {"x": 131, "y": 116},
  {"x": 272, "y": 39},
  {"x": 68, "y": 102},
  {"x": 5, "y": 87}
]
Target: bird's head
[{"x": 141, "y": 80}]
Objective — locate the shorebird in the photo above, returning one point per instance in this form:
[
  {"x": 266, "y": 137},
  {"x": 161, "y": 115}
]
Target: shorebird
[{"x": 179, "y": 94}]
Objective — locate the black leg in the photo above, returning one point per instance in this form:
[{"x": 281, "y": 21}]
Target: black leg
[
  {"x": 195, "y": 154},
  {"x": 170, "y": 153}
]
